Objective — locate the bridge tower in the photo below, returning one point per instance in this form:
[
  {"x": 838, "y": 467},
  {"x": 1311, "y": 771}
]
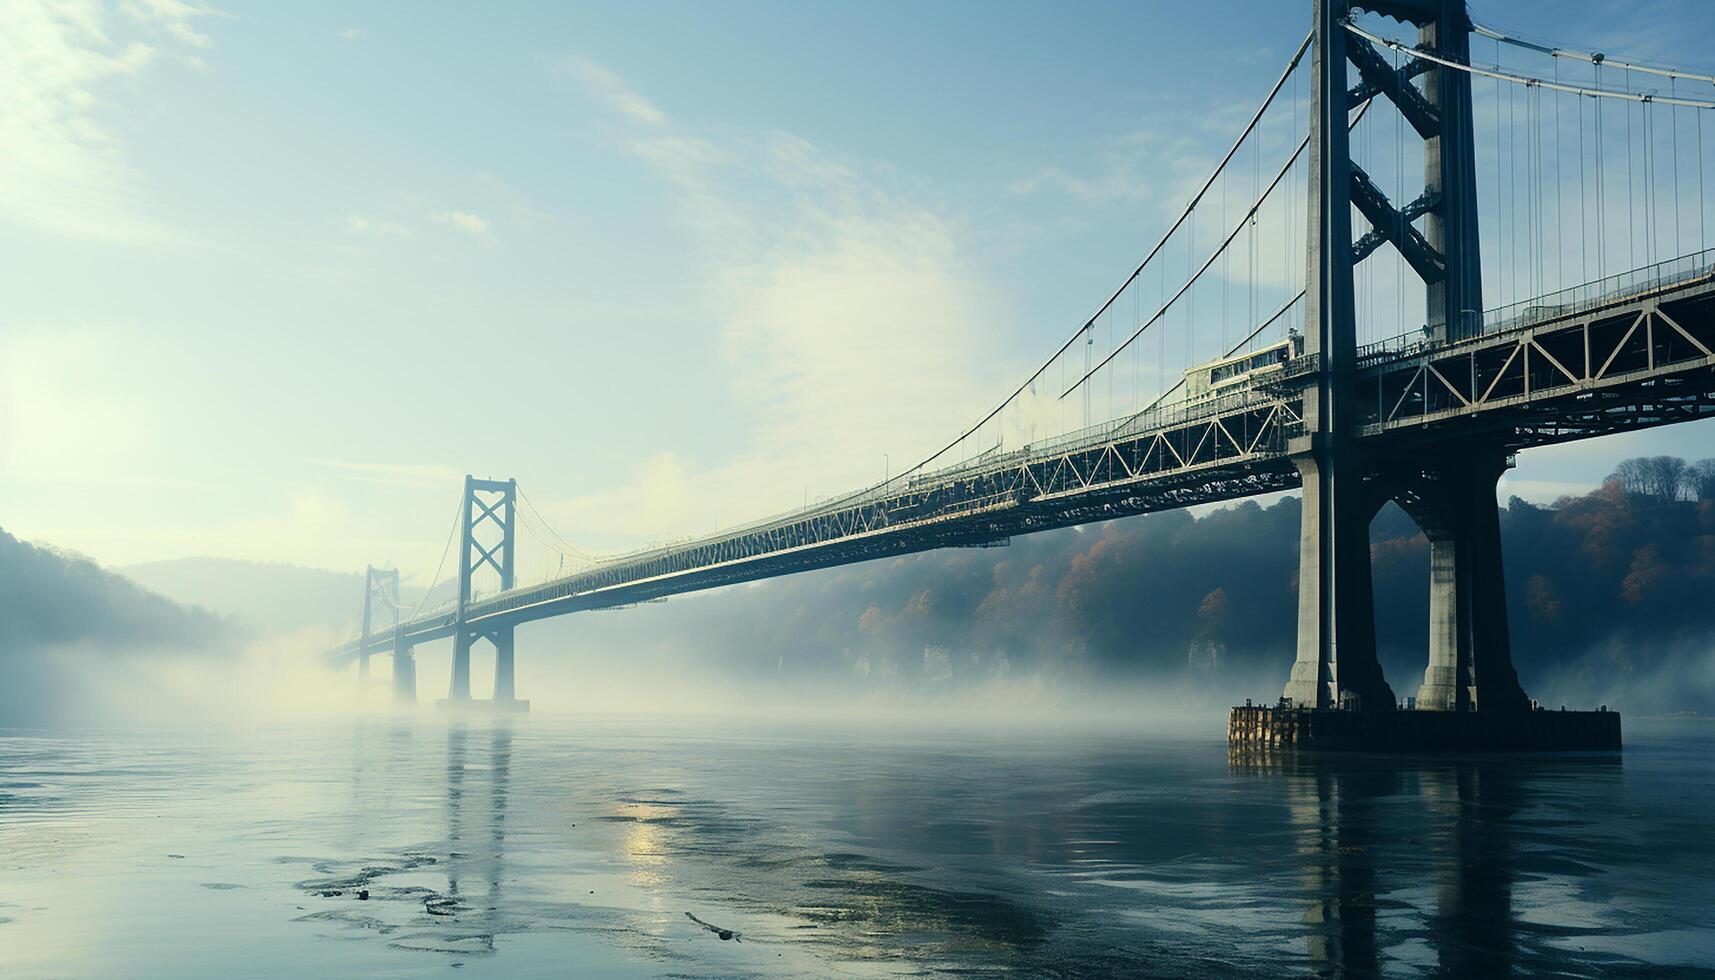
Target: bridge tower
[
  {"x": 486, "y": 502},
  {"x": 383, "y": 582},
  {"x": 1454, "y": 499}
]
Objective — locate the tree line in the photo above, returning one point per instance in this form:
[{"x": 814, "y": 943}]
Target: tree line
[{"x": 1666, "y": 478}]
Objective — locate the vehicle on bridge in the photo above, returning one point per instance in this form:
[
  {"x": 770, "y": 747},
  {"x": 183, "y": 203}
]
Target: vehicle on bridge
[{"x": 1210, "y": 380}]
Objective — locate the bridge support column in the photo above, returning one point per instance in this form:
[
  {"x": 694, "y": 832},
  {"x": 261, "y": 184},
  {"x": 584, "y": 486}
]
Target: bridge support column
[
  {"x": 504, "y": 687},
  {"x": 1336, "y": 664},
  {"x": 458, "y": 689},
  {"x": 1470, "y": 653},
  {"x": 404, "y": 672}
]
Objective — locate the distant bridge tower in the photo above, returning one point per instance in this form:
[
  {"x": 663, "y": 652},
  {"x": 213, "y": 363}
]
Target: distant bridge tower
[
  {"x": 1452, "y": 497},
  {"x": 486, "y": 503},
  {"x": 383, "y": 582}
]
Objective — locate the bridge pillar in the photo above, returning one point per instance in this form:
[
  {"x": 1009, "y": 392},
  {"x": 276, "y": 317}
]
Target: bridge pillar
[
  {"x": 404, "y": 670},
  {"x": 1470, "y": 652},
  {"x": 1336, "y": 663},
  {"x": 504, "y": 686},
  {"x": 458, "y": 688}
]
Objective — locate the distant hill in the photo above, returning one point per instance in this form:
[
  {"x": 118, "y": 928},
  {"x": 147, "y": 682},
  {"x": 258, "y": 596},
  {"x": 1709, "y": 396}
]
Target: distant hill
[
  {"x": 60, "y": 611},
  {"x": 48, "y": 596},
  {"x": 267, "y": 597}
]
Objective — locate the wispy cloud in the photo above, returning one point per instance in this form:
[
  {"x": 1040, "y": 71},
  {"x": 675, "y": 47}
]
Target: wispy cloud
[
  {"x": 470, "y": 224},
  {"x": 63, "y": 170},
  {"x": 849, "y": 323},
  {"x": 173, "y": 17},
  {"x": 617, "y": 94},
  {"x": 350, "y": 34},
  {"x": 406, "y": 223},
  {"x": 1128, "y": 167},
  {"x": 376, "y": 227}
]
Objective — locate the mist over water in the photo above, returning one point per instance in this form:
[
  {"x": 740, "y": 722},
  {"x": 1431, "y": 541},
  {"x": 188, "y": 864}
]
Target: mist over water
[
  {"x": 534, "y": 847},
  {"x": 978, "y": 762}
]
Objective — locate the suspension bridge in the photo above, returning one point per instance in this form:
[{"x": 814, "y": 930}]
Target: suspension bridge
[{"x": 1314, "y": 317}]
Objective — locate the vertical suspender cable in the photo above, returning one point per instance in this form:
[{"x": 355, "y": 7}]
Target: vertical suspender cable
[
  {"x": 1673, "y": 117},
  {"x": 1649, "y": 183},
  {"x": 1399, "y": 191},
  {"x": 1256, "y": 229},
  {"x": 1601, "y": 189},
  {"x": 1583, "y": 201},
  {"x": 1226, "y": 265},
  {"x": 1631, "y": 181},
  {"x": 1559, "y": 191},
  {"x": 1543, "y": 194},
  {"x": 1702, "y": 242}
]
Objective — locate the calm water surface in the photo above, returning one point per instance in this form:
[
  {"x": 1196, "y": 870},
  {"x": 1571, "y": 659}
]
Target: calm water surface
[{"x": 546, "y": 848}]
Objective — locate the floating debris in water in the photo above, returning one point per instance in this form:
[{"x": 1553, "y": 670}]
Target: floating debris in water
[
  {"x": 725, "y": 934},
  {"x": 440, "y": 904}
]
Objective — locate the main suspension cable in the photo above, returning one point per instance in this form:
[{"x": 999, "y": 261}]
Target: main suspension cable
[
  {"x": 1089, "y": 322},
  {"x": 1595, "y": 58},
  {"x": 452, "y": 532},
  {"x": 1192, "y": 280},
  {"x": 1526, "y": 79}
]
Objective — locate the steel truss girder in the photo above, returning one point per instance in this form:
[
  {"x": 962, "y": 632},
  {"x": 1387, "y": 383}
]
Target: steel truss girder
[
  {"x": 1631, "y": 364},
  {"x": 1230, "y": 449},
  {"x": 1638, "y": 361}
]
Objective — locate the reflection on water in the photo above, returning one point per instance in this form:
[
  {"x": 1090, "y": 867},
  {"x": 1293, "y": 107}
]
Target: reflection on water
[
  {"x": 523, "y": 851},
  {"x": 1340, "y": 808}
]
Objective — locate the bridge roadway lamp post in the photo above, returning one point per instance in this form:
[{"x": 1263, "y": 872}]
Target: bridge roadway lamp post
[
  {"x": 489, "y": 509},
  {"x": 1345, "y": 481}
]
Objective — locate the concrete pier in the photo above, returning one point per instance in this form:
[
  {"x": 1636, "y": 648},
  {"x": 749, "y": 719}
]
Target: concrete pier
[
  {"x": 1470, "y": 656},
  {"x": 404, "y": 671},
  {"x": 1283, "y": 727}
]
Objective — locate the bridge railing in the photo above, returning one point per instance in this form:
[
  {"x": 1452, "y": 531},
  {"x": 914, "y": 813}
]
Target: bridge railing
[
  {"x": 988, "y": 462},
  {"x": 1600, "y": 292},
  {"x": 1571, "y": 301}
]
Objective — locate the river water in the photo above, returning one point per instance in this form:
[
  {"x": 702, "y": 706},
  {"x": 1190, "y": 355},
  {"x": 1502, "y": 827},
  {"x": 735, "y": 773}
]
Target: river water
[{"x": 543, "y": 848}]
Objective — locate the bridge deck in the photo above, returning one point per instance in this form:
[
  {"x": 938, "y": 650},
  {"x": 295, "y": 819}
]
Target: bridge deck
[{"x": 1631, "y": 356}]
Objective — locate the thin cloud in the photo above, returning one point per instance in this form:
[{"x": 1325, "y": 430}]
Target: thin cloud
[
  {"x": 818, "y": 283},
  {"x": 464, "y": 221},
  {"x": 172, "y": 16},
  {"x": 368, "y": 227},
  {"x": 616, "y": 93},
  {"x": 1126, "y": 167},
  {"x": 63, "y": 171}
]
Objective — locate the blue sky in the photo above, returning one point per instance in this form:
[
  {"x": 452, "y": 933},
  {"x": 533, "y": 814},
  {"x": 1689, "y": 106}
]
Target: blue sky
[{"x": 277, "y": 275}]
